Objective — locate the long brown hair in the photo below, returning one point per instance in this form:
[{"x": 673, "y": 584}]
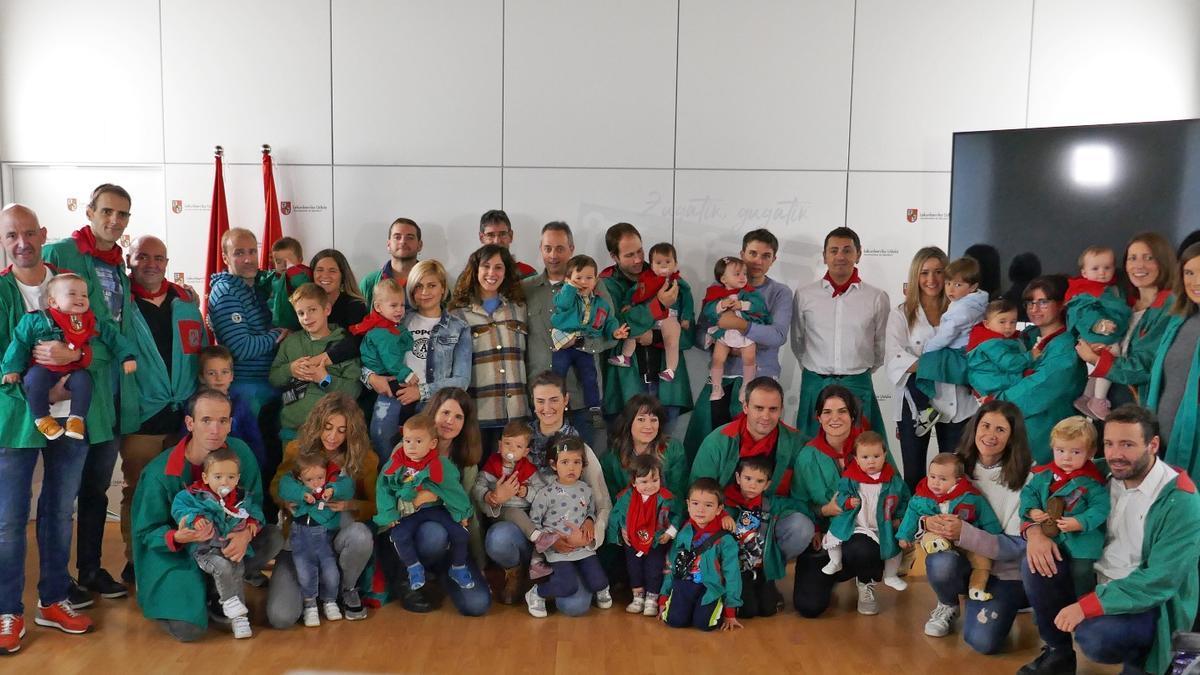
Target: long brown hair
[
  {"x": 358, "y": 442},
  {"x": 622, "y": 442},
  {"x": 349, "y": 282},
  {"x": 1016, "y": 460},
  {"x": 466, "y": 449},
  {"x": 1164, "y": 257},
  {"x": 912, "y": 290},
  {"x": 467, "y": 291},
  {"x": 1183, "y": 304}
]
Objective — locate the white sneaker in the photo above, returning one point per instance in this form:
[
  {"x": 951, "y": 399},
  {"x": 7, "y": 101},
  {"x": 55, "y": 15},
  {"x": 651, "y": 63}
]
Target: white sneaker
[
  {"x": 867, "y": 604},
  {"x": 312, "y": 616},
  {"x": 535, "y": 603},
  {"x": 651, "y": 605},
  {"x": 603, "y": 598},
  {"x": 332, "y": 613},
  {"x": 241, "y": 627},
  {"x": 234, "y": 607},
  {"x": 895, "y": 582},
  {"x": 941, "y": 620},
  {"x": 638, "y": 605}
]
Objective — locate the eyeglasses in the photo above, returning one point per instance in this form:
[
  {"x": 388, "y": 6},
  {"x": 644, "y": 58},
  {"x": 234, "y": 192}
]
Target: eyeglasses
[{"x": 1040, "y": 304}]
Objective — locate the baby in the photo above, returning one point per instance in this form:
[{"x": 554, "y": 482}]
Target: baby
[
  {"x": 663, "y": 270},
  {"x": 385, "y": 340},
  {"x": 1098, "y": 313},
  {"x": 510, "y": 465},
  {"x": 644, "y": 521},
  {"x": 731, "y": 293},
  {"x": 996, "y": 357},
  {"x": 290, "y": 273}
]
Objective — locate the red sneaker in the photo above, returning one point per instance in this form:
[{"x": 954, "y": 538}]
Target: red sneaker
[
  {"x": 61, "y": 616},
  {"x": 12, "y": 629}
]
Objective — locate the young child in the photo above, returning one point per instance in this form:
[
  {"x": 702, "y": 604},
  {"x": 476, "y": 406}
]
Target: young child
[
  {"x": 420, "y": 486},
  {"x": 217, "y": 499},
  {"x": 1068, "y": 499},
  {"x": 384, "y": 350},
  {"x": 511, "y": 465},
  {"x": 644, "y": 521},
  {"x": 1098, "y": 313},
  {"x": 750, "y": 520},
  {"x": 578, "y": 313},
  {"x": 944, "y": 358},
  {"x": 731, "y": 293},
  {"x": 312, "y": 483},
  {"x": 946, "y": 490},
  {"x": 216, "y": 371},
  {"x": 872, "y": 496},
  {"x": 290, "y": 273},
  {"x": 996, "y": 357},
  {"x": 704, "y": 584},
  {"x": 301, "y": 392},
  {"x": 663, "y": 270},
  {"x": 68, "y": 319},
  {"x": 559, "y": 511}
]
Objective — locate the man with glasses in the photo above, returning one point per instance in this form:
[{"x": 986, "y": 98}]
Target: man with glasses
[{"x": 496, "y": 228}]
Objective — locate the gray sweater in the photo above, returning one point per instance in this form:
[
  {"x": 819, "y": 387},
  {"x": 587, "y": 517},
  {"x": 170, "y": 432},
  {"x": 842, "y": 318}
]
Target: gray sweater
[
  {"x": 559, "y": 507},
  {"x": 1176, "y": 369}
]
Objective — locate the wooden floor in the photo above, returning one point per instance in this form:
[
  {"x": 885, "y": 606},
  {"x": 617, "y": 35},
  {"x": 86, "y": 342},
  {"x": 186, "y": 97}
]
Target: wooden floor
[{"x": 508, "y": 640}]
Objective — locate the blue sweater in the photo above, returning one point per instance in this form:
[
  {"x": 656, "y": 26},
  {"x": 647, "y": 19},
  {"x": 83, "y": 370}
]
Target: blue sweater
[{"x": 240, "y": 317}]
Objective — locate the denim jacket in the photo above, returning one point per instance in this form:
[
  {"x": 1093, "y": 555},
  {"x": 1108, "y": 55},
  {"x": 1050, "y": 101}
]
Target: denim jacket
[{"x": 448, "y": 363}]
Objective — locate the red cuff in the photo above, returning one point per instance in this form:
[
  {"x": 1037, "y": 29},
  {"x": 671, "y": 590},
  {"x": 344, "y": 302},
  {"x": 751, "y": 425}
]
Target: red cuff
[
  {"x": 730, "y": 612},
  {"x": 86, "y": 359},
  {"x": 1104, "y": 365},
  {"x": 662, "y": 601},
  {"x": 846, "y": 504},
  {"x": 1091, "y": 606},
  {"x": 658, "y": 311},
  {"x": 171, "y": 543}
]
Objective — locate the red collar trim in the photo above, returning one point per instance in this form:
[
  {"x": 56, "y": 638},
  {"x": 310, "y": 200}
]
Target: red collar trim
[
  {"x": 1184, "y": 482},
  {"x": 855, "y": 473},
  {"x": 1045, "y": 340},
  {"x": 141, "y": 293},
  {"x": 177, "y": 460},
  {"x": 981, "y": 334},
  {"x": 843, "y": 457},
  {"x": 85, "y": 241},
  {"x": 495, "y": 466},
  {"x": 1161, "y": 299},
  {"x": 719, "y": 292},
  {"x": 734, "y": 497},
  {"x": 1059, "y": 478},
  {"x": 839, "y": 289},
  {"x": 1080, "y": 286},
  {"x": 375, "y": 320},
  {"x": 711, "y": 529},
  {"x": 431, "y": 461},
  {"x": 962, "y": 487}
]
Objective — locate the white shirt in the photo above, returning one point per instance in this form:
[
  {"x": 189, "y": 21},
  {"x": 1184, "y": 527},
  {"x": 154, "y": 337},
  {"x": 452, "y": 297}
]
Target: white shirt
[
  {"x": 35, "y": 299},
  {"x": 420, "y": 326},
  {"x": 1005, "y": 502},
  {"x": 904, "y": 345},
  {"x": 1127, "y": 522},
  {"x": 867, "y": 520},
  {"x": 842, "y": 335}
]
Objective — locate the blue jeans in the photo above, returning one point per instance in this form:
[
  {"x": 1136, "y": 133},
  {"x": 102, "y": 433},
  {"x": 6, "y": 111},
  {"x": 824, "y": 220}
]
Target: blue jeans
[
  {"x": 570, "y": 576},
  {"x": 794, "y": 534},
  {"x": 1118, "y": 638},
  {"x": 583, "y": 426},
  {"x": 433, "y": 543},
  {"x": 316, "y": 566},
  {"x": 646, "y": 571},
  {"x": 39, "y": 380},
  {"x": 985, "y": 624},
  {"x": 584, "y": 364},
  {"x": 403, "y": 535},
  {"x": 63, "y": 460},
  {"x": 386, "y": 418},
  {"x": 93, "y": 504},
  {"x": 684, "y": 608},
  {"x": 506, "y": 545}
]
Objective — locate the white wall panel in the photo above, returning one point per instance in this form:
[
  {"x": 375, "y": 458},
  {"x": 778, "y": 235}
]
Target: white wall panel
[
  {"x": 927, "y": 68},
  {"x": 240, "y": 74},
  {"x": 764, "y": 85},
  {"x": 417, "y": 82},
  {"x": 589, "y": 84}
]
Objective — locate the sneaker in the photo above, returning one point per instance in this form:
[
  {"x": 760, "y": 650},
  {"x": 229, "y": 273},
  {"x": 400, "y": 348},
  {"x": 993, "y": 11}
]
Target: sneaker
[
  {"x": 78, "y": 596},
  {"x": 832, "y": 567},
  {"x": 234, "y": 607},
  {"x": 102, "y": 583},
  {"x": 926, "y": 420},
  {"x": 460, "y": 575},
  {"x": 621, "y": 361},
  {"x": 667, "y": 375},
  {"x": 330, "y": 608},
  {"x": 651, "y": 608},
  {"x": 312, "y": 616},
  {"x": 49, "y": 427},
  {"x": 539, "y": 568},
  {"x": 941, "y": 620},
  {"x": 895, "y": 582},
  {"x": 867, "y": 604},
  {"x": 603, "y": 598},
  {"x": 352, "y": 607},
  {"x": 60, "y": 615},
  {"x": 596, "y": 418},
  {"x": 638, "y": 605},
  {"x": 416, "y": 576},
  {"x": 1098, "y": 408},
  {"x": 76, "y": 428},
  {"x": 12, "y": 629},
  {"x": 1051, "y": 662},
  {"x": 535, "y": 603},
  {"x": 127, "y": 575},
  {"x": 241, "y": 628}
]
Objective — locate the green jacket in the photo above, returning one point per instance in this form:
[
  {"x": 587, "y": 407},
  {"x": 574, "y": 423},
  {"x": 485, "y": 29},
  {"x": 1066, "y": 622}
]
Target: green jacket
[
  {"x": 997, "y": 364},
  {"x": 893, "y": 500},
  {"x": 391, "y": 489},
  {"x": 197, "y": 501},
  {"x": 37, "y": 327},
  {"x": 1167, "y": 576},
  {"x": 720, "y": 570},
  {"x": 718, "y": 457},
  {"x": 674, "y": 475},
  {"x": 669, "y": 515},
  {"x": 539, "y": 350},
  {"x": 16, "y": 424},
  {"x": 1183, "y": 447},
  {"x": 1084, "y": 311},
  {"x": 1133, "y": 368},
  {"x": 169, "y": 585},
  {"x": 283, "y": 315},
  {"x": 569, "y": 314},
  {"x": 383, "y": 352},
  {"x": 1086, "y": 500},
  {"x": 296, "y": 345},
  {"x": 965, "y": 500},
  {"x": 818, "y": 474},
  {"x": 758, "y": 312},
  {"x": 188, "y": 338},
  {"x": 292, "y": 491},
  {"x": 1047, "y": 395},
  {"x": 748, "y": 527}
]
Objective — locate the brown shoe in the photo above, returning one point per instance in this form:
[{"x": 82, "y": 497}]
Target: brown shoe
[
  {"x": 75, "y": 427},
  {"x": 1054, "y": 508},
  {"x": 512, "y": 586},
  {"x": 49, "y": 427}
]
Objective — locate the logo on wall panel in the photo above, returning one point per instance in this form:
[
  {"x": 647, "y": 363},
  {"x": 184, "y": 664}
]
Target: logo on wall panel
[
  {"x": 285, "y": 208},
  {"x": 912, "y": 215},
  {"x": 72, "y": 204},
  {"x": 176, "y": 206}
]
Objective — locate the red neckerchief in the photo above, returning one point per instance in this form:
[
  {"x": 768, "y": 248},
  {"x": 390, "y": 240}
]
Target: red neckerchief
[
  {"x": 981, "y": 334},
  {"x": 733, "y": 497},
  {"x": 710, "y": 529},
  {"x": 719, "y": 291},
  {"x": 332, "y": 473},
  {"x": 641, "y": 522},
  {"x": 1045, "y": 340},
  {"x": 1059, "y": 478},
  {"x": 375, "y": 320},
  {"x": 85, "y": 241},
  {"x": 962, "y": 487},
  {"x": 838, "y": 289},
  {"x": 855, "y": 473},
  {"x": 649, "y": 284},
  {"x": 139, "y": 291},
  {"x": 1080, "y": 286},
  {"x": 77, "y": 328},
  {"x": 523, "y": 468},
  {"x": 845, "y": 455},
  {"x": 401, "y": 460},
  {"x": 747, "y": 446},
  {"x": 229, "y": 501}
]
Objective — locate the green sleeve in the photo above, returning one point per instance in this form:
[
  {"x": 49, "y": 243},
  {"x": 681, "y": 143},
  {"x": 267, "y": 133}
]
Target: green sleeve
[
  {"x": 675, "y": 471},
  {"x": 565, "y": 316},
  {"x": 709, "y": 313},
  {"x": 901, "y": 490},
  {"x": 1096, "y": 505},
  {"x": 453, "y": 494},
  {"x": 151, "y": 513},
  {"x": 687, "y": 314},
  {"x": 120, "y": 346},
  {"x": 758, "y": 309},
  {"x": 291, "y": 490},
  {"x": 708, "y": 459},
  {"x": 367, "y": 286},
  {"x": 731, "y": 571},
  {"x": 1031, "y": 496},
  {"x": 386, "y": 512},
  {"x": 1013, "y": 360},
  {"x": 343, "y": 488},
  {"x": 183, "y": 505},
  {"x": 368, "y": 351},
  {"x": 1133, "y": 367},
  {"x": 1051, "y": 381},
  {"x": 985, "y": 517},
  {"x": 281, "y": 371},
  {"x": 846, "y": 489},
  {"x": 912, "y": 519},
  {"x": 16, "y": 356},
  {"x": 345, "y": 377},
  {"x": 616, "y": 519},
  {"x": 611, "y": 324},
  {"x": 820, "y": 476},
  {"x": 614, "y": 476}
]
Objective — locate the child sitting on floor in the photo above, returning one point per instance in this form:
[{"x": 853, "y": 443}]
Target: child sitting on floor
[
  {"x": 731, "y": 293},
  {"x": 644, "y": 521},
  {"x": 703, "y": 586},
  {"x": 996, "y": 357},
  {"x": 1098, "y": 313},
  {"x": 752, "y": 523}
]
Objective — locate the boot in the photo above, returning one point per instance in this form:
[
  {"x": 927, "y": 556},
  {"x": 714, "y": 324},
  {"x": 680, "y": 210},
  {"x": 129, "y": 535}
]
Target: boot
[{"x": 513, "y": 580}]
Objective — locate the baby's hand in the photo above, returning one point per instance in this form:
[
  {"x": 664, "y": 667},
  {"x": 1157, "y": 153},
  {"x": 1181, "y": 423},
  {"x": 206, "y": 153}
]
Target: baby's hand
[
  {"x": 12, "y": 378},
  {"x": 129, "y": 367},
  {"x": 198, "y": 523},
  {"x": 904, "y": 543},
  {"x": 727, "y": 522},
  {"x": 1069, "y": 525},
  {"x": 310, "y": 498},
  {"x": 327, "y": 494},
  {"x": 1038, "y": 516},
  {"x": 853, "y": 502},
  {"x": 664, "y": 538},
  {"x": 622, "y": 332},
  {"x": 685, "y": 325}
]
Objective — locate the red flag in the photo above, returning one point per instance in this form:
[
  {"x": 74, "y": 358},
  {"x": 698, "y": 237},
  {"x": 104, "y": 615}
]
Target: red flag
[
  {"x": 272, "y": 229},
  {"x": 218, "y": 225}
]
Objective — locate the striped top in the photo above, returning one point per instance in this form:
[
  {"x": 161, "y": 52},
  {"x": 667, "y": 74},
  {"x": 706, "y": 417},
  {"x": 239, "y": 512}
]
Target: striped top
[
  {"x": 241, "y": 319},
  {"x": 497, "y": 361}
]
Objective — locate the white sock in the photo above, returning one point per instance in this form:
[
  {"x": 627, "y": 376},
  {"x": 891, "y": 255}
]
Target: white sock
[{"x": 890, "y": 567}]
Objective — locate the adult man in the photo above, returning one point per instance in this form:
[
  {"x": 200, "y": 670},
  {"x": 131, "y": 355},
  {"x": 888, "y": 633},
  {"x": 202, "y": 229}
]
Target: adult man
[
  {"x": 557, "y": 246},
  {"x": 759, "y": 251},
  {"x": 171, "y": 588},
  {"x": 624, "y": 244},
  {"x": 92, "y": 252},
  {"x": 1146, "y": 575},
  {"x": 22, "y": 289},
  {"x": 838, "y": 329},
  {"x": 496, "y": 228},
  {"x": 403, "y": 245},
  {"x": 170, "y": 333}
]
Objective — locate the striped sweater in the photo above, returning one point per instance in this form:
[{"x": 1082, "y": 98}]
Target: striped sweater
[
  {"x": 241, "y": 319},
  {"x": 497, "y": 361}
]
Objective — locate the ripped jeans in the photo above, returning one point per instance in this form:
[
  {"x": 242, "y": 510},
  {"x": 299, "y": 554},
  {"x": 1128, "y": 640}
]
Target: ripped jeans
[{"x": 985, "y": 624}]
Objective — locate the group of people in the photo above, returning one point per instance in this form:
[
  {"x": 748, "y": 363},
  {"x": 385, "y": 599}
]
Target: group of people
[{"x": 363, "y": 443}]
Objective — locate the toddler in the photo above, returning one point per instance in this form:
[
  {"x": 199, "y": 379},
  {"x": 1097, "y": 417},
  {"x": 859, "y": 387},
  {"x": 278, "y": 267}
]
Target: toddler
[
  {"x": 384, "y": 350},
  {"x": 663, "y": 271},
  {"x": 703, "y": 587},
  {"x": 1098, "y": 313},
  {"x": 290, "y": 273},
  {"x": 996, "y": 357},
  {"x": 511, "y": 466},
  {"x": 643, "y": 521},
  {"x": 731, "y": 293},
  {"x": 750, "y": 520}
]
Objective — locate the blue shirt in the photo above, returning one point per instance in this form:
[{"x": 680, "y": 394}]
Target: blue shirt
[{"x": 110, "y": 285}]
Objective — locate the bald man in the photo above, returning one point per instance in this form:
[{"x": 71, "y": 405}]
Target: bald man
[{"x": 168, "y": 356}]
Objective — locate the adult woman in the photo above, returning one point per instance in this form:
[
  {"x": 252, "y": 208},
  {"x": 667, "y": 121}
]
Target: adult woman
[
  {"x": 641, "y": 428},
  {"x": 1173, "y": 395},
  {"x": 1045, "y": 395},
  {"x": 1150, "y": 267},
  {"x": 910, "y": 325},
  {"x": 441, "y": 355},
  {"x": 336, "y": 429},
  {"x": 504, "y": 542},
  {"x": 489, "y": 298},
  {"x": 332, "y": 272},
  {"x": 995, "y": 451}
]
